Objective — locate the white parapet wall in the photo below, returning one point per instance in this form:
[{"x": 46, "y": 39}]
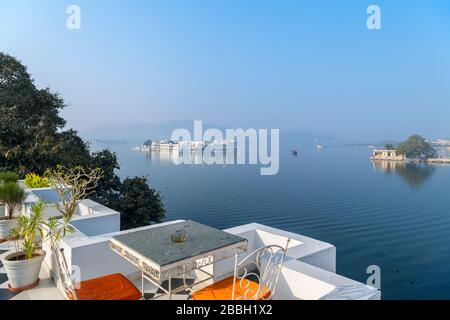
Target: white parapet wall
[
  {"x": 299, "y": 280},
  {"x": 311, "y": 251},
  {"x": 309, "y": 272},
  {"x": 94, "y": 219},
  {"x": 92, "y": 257}
]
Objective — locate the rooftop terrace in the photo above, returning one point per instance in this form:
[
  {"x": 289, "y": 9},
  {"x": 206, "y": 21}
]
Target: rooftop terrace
[{"x": 309, "y": 272}]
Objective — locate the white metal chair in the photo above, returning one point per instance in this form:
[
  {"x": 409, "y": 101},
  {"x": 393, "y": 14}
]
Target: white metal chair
[
  {"x": 255, "y": 277},
  {"x": 109, "y": 287}
]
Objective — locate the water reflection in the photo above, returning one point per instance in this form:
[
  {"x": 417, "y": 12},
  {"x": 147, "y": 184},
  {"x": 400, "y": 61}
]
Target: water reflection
[
  {"x": 193, "y": 157},
  {"x": 415, "y": 174},
  {"x": 443, "y": 151}
]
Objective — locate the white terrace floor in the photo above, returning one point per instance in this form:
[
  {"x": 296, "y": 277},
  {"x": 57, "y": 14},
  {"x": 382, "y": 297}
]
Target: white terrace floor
[
  {"x": 309, "y": 272},
  {"x": 47, "y": 290}
]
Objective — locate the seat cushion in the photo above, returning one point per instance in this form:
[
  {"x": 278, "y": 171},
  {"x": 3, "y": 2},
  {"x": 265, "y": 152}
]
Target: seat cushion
[
  {"x": 223, "y": 290},
  {"x": 110, "y": 287}
]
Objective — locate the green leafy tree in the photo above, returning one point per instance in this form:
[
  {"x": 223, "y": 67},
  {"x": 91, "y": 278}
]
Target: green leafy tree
[
  {"x": 416, "y": 146},
  {"x": 31, "y": 131},
  {"x": 33, "y": 138},
  {"x": 109, "y": 185},
  {"x": 389, "y": 146},
  {"x": 140, "y": 205}
]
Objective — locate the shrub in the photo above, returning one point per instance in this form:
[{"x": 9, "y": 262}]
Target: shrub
[
  {"x": 11, "y": 195},
  {"x": 7, "y": 177},
  {"x": 33, "y": 180},
  {"x": 139, "y": 204}
]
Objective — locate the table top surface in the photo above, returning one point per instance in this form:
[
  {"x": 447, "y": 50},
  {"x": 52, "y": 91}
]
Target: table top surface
[{"x": 156, "y": 244}]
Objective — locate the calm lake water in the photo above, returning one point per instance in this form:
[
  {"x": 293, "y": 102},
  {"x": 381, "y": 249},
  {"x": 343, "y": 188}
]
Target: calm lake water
[{"x": 392, "y": 215}]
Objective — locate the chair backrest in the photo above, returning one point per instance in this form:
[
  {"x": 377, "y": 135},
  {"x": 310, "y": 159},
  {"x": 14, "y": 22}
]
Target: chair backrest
[
  {"x": 256, "y": 276},
  {"x": 64, "y": 272}
]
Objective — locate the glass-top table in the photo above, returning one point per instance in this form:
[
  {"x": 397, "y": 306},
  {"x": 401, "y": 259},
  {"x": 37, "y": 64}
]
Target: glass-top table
[{"x": 159, "y": 258}]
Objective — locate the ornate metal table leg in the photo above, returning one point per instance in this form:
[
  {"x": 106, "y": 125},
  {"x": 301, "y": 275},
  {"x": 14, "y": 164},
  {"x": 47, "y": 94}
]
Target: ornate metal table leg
[{"x": 142, "y": 285}]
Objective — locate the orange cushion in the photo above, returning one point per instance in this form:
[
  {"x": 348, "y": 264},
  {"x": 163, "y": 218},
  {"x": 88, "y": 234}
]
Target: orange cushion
[
  {"x": 110, "y": 287},
  {"x": 223, "y": 290}
]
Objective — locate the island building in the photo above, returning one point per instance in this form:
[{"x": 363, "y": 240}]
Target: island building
[{"x": 387, "y": 155}]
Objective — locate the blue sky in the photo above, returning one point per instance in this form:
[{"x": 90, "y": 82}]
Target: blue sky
[{"x": 294, "y": 65}]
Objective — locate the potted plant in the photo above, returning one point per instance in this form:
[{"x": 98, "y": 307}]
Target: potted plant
[
  {"x": 11, "y": 196},
  {"x": 23, "y": 264},
  {"x": 72, "y": 185}
]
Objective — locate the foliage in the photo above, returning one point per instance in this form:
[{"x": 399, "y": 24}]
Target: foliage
[
  {"x": 8, "y": 176},
  {"x": 33, "y": 180},
  {"x": 109, "y": 185},
  {"x": 416, "y": 147},
  {"x": 33, "y": 138},
  {"x": 35, "y": 224},
  {"x": 31, "y": 131},
  {"x": 389, "y": 146},
  {"x": 140, "y": 205},
  {"x": 29, "y": 227},
  {"x": 58, "y": 228},
  {"x": 148, "y": 143},
  {"x": 12, "y": 196},
  {"x": 72, "y": 185}
]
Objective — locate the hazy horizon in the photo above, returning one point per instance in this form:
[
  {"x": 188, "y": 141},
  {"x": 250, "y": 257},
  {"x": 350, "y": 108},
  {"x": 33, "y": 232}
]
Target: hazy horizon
[
  {"x": 138, "y": 132},
  {"x": 292, "y": 65}
]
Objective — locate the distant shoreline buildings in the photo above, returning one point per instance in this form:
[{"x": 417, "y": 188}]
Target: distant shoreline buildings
[
  {"x": 391, "y": 155},
  {"x": 440, "y": 142},
  {"x": 178, "y": 146}
]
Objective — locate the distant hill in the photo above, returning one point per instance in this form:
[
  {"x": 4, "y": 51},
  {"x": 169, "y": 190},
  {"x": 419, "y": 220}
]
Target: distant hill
[
  {"x": 139, "y": 132},
  {"x": 377, "y": 144},
  {"x": 305, "y": 139}
]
